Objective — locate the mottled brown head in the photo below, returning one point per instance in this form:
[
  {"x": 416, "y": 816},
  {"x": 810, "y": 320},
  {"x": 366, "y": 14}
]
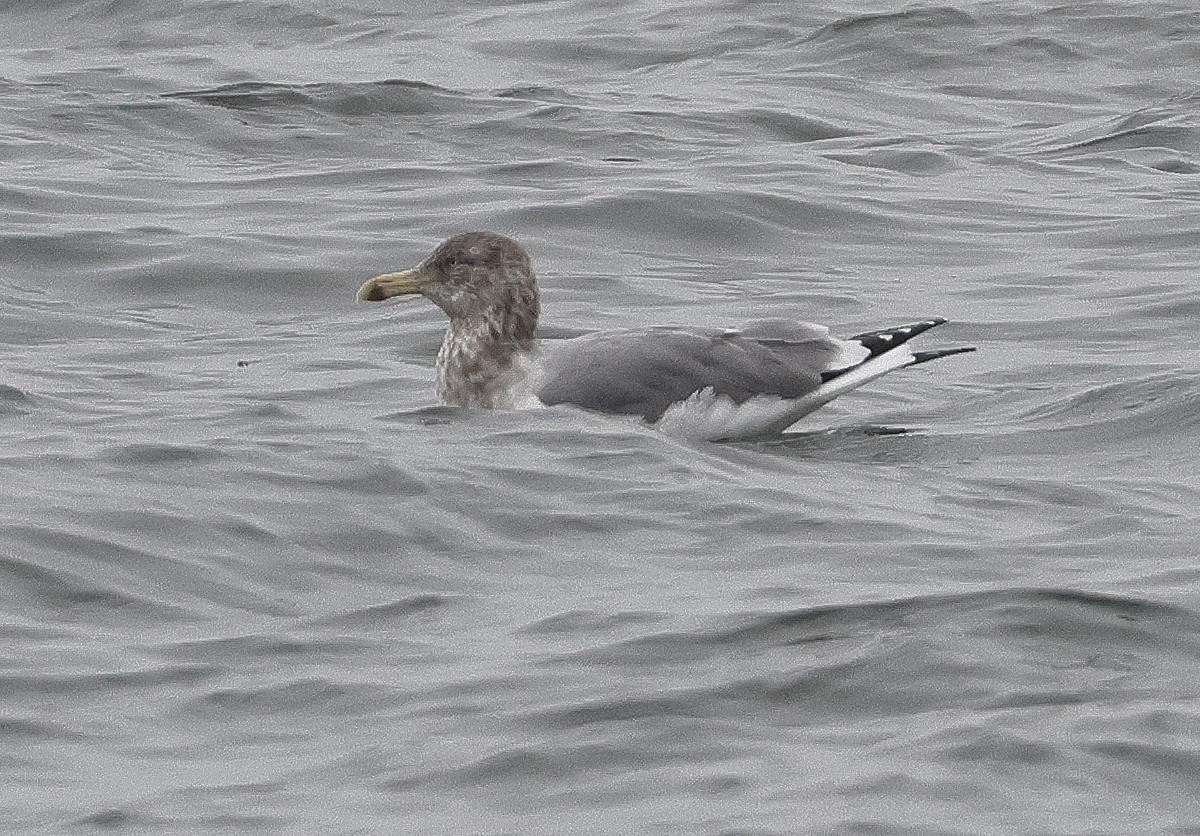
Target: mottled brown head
[{"x": 475, "y": 277}]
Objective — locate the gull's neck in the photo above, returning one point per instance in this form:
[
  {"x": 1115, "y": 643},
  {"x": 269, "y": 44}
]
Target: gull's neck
[{"x": 483, "y": 364}]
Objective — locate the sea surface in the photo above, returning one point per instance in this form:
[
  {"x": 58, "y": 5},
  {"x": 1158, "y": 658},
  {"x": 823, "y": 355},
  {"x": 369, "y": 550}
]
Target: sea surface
[{"x": 253, "y": 579}]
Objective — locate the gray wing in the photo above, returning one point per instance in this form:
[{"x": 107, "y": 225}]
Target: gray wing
[{"x": 644, "y": 372}]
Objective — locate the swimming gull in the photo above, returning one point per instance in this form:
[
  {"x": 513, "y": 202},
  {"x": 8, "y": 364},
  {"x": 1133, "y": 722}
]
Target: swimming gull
[{"x": 712, "y": 384}]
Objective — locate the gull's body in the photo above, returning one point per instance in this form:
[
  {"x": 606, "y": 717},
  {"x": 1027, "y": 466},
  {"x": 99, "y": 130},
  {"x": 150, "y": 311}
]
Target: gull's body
[{"x": 753, "y": 381}]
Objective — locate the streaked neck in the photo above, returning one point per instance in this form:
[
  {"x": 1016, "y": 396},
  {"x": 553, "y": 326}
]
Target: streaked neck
[{"x": 479, "y": 365}]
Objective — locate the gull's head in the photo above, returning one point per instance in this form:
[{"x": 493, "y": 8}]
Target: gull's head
[{"x": 474, "y": 275}]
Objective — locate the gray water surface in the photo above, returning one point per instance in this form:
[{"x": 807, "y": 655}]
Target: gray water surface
[{"x": 253, "y": 579}]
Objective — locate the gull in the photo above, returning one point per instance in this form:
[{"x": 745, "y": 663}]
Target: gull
[{"x": 753, "y": 381}]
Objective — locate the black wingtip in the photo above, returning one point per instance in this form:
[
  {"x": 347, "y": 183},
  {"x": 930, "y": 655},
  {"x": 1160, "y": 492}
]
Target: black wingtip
[
  {"x": 926, "y": 356},
  {"x": 885, "y": 339}
]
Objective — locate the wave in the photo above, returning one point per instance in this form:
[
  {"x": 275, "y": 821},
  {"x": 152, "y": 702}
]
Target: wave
[
  {"x": 35, "y": 588},
  {"x": 162, "y": 454},
  {"x": 1145, "y": 409},
  {"x": 985, "y": 650},
  {"x": 102, "y": 682},
  {"x": 954, "y": 678},
  {"x": 315, "y": 695},
  {"x": 708, "y": 219},
  {"x": 389, "y": 96},
  {"x": 1164, "y": 137},
  {"x": 13, "y": 401},
  {"x": 394, "y": 614},
  {"x": 853, "y": 28},
  {"x": 235, "y": 650},
  {"x": 825, "y": 623}
]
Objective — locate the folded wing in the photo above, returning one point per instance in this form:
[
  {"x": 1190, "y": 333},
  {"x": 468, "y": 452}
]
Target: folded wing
[{"x": 757, "y": 379}]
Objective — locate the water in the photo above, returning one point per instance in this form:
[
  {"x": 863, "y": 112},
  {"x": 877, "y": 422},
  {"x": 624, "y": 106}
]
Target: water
[{"x": 254, "y": 580}]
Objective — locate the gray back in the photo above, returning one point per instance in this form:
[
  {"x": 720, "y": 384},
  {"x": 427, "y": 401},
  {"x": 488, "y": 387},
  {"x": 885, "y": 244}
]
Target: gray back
[{"x": 644, "y": 372}]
